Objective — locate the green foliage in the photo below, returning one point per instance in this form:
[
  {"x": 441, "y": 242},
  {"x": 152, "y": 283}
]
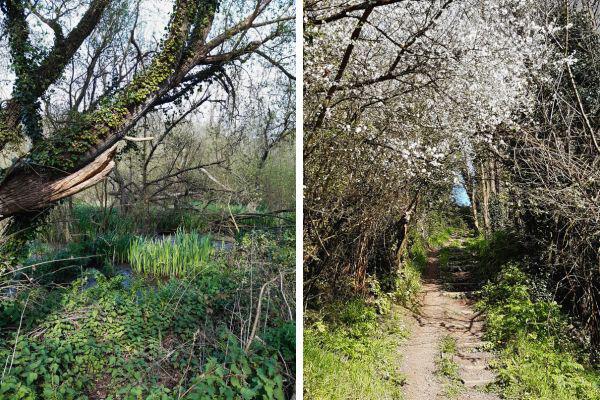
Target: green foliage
[
  {"x": 408, "y": 280},
  {"x": 408, "y": 285},
  {"x": 448, "y": 345},
  {"x": 50, "y": 264},
  {"x": 493, "y": 252},
  {"x": 349, "y": 343},
  {"x": 123, "y": 337},
  {"x": 538, "y": 360},
  {"x": 242, "y": 377},
  {"x": 440, "y": 226},
  {"x": 89, "y": 223},
  {"x": 9, "y": 137},
  {"x": 179, "y": 255},
  {"x": 381, "y": 300},
  {"x": 138, "y": 341},
  {"x": 417, "y": 251},
  {"x": 447, "y": 368},
  {"x": 541, "y": 370},
  {"x": 440, "y": 237},
  {"x": 511, "y": 312}
]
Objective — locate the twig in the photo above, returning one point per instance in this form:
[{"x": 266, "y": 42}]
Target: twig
[
  {"x": 257, "y": 315},
  {"x": 48, "y": 262},
  {"x": 12, "y": 359},
  {"x": 284, "y": 297}
]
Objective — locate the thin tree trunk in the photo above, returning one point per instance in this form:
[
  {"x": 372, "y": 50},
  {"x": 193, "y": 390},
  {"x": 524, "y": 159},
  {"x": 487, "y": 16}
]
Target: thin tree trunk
[
  {"x": 474, "y": 207},
  {"x": 485, "y": 197}
]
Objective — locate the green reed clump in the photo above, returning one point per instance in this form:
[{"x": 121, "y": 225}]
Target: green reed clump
[{"x": 177, "y": 255}]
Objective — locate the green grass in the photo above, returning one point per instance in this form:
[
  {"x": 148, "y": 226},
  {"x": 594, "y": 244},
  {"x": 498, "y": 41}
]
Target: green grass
[
  {"x": 541, "y": 370},
  {"x": 441, "y": 227},
  {"x": 353, "y": 353},
  {"x": 440, "y": 236},
  {"x": 447, "y": 368},
  {"x": 495, "y": 251},
  {"x": 178, "y": 255},
  {"x": 417, "y": 251},
  {"x": 408, "y": 285}
]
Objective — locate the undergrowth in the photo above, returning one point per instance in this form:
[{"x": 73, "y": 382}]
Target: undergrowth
[
  {"x": 408, "y": 280},
  {"x": 83, "y": 222},
  {"x": 103, "y": 336},
  {"x": 351, "y": 352},
  {"x": 538, "y": 358}
]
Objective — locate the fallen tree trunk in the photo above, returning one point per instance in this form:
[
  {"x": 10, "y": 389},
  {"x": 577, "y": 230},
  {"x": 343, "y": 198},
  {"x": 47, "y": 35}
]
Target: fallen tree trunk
[{"x": 27, "y": 191}]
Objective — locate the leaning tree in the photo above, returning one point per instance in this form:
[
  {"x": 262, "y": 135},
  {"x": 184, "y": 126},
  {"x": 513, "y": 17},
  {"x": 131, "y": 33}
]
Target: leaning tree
[{"x": 50, "y": 163}]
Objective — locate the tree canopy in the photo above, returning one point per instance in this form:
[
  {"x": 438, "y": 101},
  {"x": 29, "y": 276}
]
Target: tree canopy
[{"x": 406, "y": 100}]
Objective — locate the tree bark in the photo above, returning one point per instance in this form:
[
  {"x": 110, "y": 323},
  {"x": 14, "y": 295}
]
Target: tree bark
[
  {"x": 474, "y": 208},
  {"x": 28, "y": 191},
  {"x": 485, "y": 196}
]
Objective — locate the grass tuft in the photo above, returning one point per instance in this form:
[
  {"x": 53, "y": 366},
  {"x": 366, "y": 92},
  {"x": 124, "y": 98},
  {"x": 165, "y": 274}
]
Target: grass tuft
[
  {"x": 178, "y": 255},
  {"x": 447, "y": 368}
]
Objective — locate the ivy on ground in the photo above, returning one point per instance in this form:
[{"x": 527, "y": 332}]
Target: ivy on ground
[{"x": 136, "y": 341}]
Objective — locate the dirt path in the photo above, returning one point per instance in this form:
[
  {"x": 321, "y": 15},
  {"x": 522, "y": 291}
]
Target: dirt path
[{"x": 446, "y": 311}]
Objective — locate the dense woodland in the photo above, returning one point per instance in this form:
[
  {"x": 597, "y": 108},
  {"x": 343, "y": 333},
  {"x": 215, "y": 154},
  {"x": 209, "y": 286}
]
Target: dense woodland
[
  {"x": 496, "y": 101},
  {"x": 147, "y": 199}
]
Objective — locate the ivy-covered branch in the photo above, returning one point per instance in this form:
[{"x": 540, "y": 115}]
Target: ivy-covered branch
[
  {"x": 186, "y": 57},
  {"x": 34, "y": 78}
]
